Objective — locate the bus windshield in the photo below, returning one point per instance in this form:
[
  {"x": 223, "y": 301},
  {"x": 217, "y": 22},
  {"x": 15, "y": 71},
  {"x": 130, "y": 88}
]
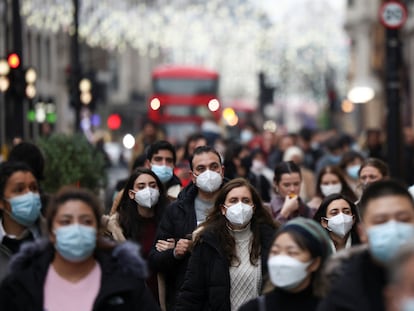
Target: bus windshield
[{"x": 185, "y": 86}]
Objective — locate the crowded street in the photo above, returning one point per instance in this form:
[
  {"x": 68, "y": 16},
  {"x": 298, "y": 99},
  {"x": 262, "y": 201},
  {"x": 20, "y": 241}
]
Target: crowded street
[{"x": 223, "y": 155}]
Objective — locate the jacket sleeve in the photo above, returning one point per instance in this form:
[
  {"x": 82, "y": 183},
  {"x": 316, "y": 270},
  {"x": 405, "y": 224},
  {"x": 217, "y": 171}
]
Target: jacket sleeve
[
  {"x": 193, "y": 293},
  {"x": 9, "y": 299},
  {"x": 164, "y": 261}
]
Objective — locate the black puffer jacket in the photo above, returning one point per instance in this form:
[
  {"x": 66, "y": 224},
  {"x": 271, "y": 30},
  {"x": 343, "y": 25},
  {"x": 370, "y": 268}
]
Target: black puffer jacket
[
  {"x": 122, "y": 284},
  {"x": 179, "y": 221},
  {"x": 207, "y": 281},
  {"x": 358, "y": 286},
  {"x": 279, "y": 299}
]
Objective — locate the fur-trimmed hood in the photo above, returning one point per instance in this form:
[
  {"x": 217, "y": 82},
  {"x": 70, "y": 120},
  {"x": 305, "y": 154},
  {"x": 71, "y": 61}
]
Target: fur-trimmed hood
[{"x": 125, "y": 257}]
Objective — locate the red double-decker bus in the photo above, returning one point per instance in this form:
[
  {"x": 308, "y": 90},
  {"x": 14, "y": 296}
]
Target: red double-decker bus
[{"x": 182, "y": 97}]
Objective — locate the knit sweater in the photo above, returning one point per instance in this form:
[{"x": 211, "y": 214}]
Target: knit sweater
[{"x": 245, "y": 278}]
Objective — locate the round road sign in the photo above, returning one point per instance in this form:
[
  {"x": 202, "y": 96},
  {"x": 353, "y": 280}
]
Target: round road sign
[{"x": 393, "y": 14}]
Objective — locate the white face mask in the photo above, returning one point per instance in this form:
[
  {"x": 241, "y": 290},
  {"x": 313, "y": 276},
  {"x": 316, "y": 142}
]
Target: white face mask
[
  {"x": 209, "y": 181},
  {"x": 239, "y": 214},
  {"x": 287, "y": 272},
  {"x": 331, "y": 189},
  {"x": 147, "y": 197},
  {"x": 257, "y": 166},
  {"x": 340, "y": 224}
]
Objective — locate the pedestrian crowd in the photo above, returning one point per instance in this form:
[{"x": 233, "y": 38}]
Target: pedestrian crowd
[{"x": 271, "y": 221}]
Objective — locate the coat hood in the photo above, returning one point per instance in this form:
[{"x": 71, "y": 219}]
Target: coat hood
[{"x": 126, "y": 256}]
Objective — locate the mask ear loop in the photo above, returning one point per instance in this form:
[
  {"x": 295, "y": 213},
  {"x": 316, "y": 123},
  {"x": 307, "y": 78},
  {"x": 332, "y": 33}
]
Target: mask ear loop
[{"x": 327, "y": 223}]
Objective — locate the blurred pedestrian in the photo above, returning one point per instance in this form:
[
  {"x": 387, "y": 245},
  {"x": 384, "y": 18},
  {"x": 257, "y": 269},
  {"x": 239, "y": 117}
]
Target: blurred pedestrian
[
  {"x": 387, "y": 222},
  {"x": 149, "y": 134},
  {"x": 372, "y": 169},
  {"x": 307, "y": 188},
  {"x": 182, "y": 167},
  {"x": 236, "y": 160},
  {"x": 20, "y": 210},
  {"x": 257, "y": 174},
  {"x": 73, "y": 269},
  {"x": 339, "y": 216},
  {"x": 286, "y": 203},
  {"x": 311, "y": 150},
  {"x": 373, "y": 146},
  {"x": 297, "y": 256},
  {"x": 228, "y": 261},
  {"x": 138, "y": 214},
  {"x": 330, "y": 180},
  {"x": 182, "y": 217},
  {"x": 350, "y": 165},
  {"x": 334, "y": 149}
]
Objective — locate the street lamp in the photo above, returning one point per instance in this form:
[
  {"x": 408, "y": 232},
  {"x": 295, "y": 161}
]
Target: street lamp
[
  {"x": 85, "y": 87},
  {"x": 30, "y": 78},
  {"x": 363, "y": 89},
  {"x": 4, "y": 71}
]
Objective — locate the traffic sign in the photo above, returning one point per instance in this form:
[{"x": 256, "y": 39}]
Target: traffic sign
[{"x": 393, "y": 14}]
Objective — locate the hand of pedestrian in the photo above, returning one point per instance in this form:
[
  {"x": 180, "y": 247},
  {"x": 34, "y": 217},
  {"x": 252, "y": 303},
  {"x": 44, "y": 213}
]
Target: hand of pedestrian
[
  {"x": 163, "y": 245},
  {"x": 290, "y": 205},
  {"x": 182, "y": 247}
]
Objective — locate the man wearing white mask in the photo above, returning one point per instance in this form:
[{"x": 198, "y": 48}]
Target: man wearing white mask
[
  {"x": 182, "y": 217},
  {"x": 387, "y": 222}
]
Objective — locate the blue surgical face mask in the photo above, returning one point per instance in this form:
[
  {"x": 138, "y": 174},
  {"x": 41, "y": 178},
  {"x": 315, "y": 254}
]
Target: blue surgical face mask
[
  {"x": 75, "y": 242},
  {"x": 353, "y": 171},
  {"x": 25, "y": 208},
  {"x": 163, "y": 172},
  {"x": 335, "y": 159},
  {"x": 407, "y": 304},
  {"x": 385, "y": 239}
]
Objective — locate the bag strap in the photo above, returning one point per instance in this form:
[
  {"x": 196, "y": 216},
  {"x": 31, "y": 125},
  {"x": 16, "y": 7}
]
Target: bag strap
[{"x": 262, "y": 303}]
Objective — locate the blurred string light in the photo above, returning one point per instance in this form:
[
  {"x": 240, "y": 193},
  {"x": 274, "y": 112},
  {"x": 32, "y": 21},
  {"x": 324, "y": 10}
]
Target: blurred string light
[{"x": 237, "y": 37}]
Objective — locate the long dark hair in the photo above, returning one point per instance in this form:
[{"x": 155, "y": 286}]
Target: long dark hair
[
  {"x": 321, "y": 213},
  {"x": 130, "y": 220},
  {"x": 335, "y": 170},
  {"x": 217, "y": 223}
]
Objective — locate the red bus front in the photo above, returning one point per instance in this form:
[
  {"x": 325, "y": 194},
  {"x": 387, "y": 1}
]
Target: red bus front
[{"x": 182, "y": 98}]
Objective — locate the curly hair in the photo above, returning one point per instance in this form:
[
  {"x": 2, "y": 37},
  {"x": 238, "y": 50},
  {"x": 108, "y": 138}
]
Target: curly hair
[{"x": 217, "y": 223}]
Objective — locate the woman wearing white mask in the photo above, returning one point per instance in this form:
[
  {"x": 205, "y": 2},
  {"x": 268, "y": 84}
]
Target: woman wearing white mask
[
  {"x": 74, "y": 269},
  {"x": 228, "y": 260},
  {"x": 298, "y": 253},
  {"x": 338, "y": 215},
  {"x": 138, "y": 214},
  {"x": 330, "y": 180},
  {"x": 20, "y": 210}
]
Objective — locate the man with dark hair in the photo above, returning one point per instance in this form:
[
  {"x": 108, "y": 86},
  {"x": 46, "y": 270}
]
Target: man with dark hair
[
  {"x": 172, "y": 244},
  {"x": 161, "y": 158},
  {"x": 30, "y": 154},
  {"x": 387, "y": 222}
]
